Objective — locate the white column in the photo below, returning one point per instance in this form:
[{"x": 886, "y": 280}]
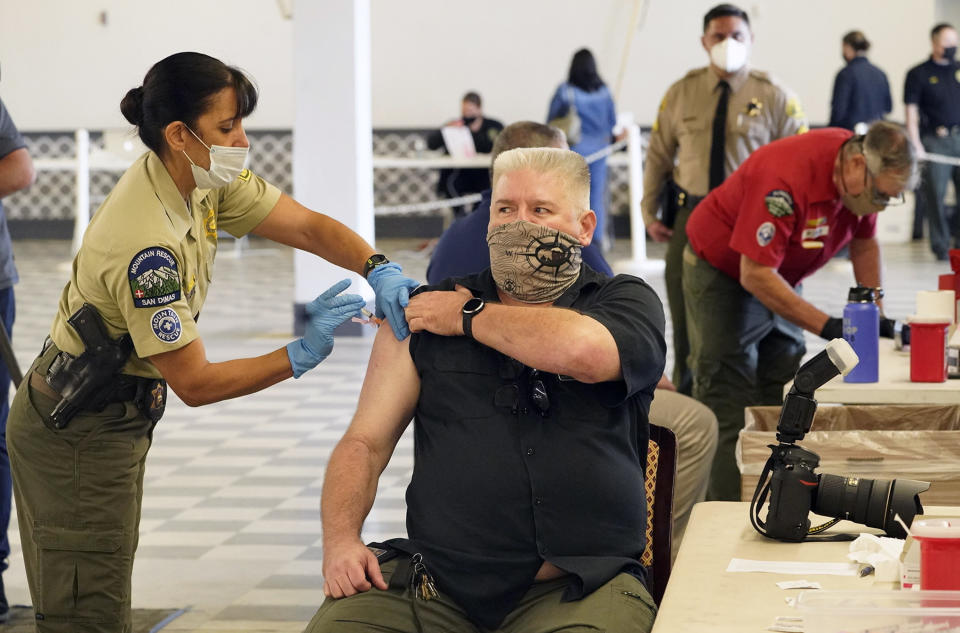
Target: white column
[{"x": 332, "y": 138}]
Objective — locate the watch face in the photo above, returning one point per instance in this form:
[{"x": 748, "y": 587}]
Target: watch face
[{"x": 473, "y": 305}]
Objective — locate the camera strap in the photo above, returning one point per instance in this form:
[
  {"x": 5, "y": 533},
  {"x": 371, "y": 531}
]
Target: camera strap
[{"x": 760, "y": 498}]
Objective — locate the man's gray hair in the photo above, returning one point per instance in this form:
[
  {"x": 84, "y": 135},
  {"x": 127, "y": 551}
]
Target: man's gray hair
[
  {"x": 887, "y": 150},
  {"x": 569, "y": 167}
]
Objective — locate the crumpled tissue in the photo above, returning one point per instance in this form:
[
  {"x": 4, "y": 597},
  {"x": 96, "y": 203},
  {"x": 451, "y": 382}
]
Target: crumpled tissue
[{"x": 881, "y": 552}]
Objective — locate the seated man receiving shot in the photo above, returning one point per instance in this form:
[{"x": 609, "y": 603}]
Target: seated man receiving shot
[{"x": 529, "y": 385}]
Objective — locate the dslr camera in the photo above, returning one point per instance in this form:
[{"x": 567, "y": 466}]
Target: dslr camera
[{"x": 793, "y": 486}]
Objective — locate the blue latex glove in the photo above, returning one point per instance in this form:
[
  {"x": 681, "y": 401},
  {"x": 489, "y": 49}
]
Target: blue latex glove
[
  {"x": 324, "y": 315},
  {"x": 393, "y": 295}
]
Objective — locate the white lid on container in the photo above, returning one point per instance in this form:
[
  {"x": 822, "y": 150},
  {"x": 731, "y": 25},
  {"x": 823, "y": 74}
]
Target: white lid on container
[
  {"x": 935, "y": 528},
  {"x": 928, "y": 320}
]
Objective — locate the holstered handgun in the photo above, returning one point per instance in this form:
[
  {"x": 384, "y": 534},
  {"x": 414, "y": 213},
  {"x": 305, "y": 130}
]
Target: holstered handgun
[{"x": 85, "y": 381}]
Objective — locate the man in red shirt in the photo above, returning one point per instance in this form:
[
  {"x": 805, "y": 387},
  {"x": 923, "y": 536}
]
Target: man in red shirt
[{"x": 781, "y": 216}]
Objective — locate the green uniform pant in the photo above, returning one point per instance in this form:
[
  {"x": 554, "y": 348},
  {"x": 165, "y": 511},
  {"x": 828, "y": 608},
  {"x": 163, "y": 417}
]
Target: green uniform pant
[
  {"x": 620, "y": 606},
  {"x": 741, "y": 354},
  {"x": 78, "y": 492},
  {"x": 673, "y": 277}
]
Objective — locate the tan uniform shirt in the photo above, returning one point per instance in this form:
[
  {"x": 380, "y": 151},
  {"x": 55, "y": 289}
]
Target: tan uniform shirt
[
  {"x": 760, "y": 110},
  {"x": 146, "y": 260}
]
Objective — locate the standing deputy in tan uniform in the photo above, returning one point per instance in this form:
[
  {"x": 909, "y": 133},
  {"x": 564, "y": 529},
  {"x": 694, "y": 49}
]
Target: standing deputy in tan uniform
[
  {"x": 709, "y": 122},
  {"x": 81, "y": 425}
]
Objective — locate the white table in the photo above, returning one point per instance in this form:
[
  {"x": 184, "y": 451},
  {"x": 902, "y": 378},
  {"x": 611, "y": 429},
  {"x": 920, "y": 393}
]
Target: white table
[
  {"x": 703, "y": 596},
  {"x": 893, "y": 386}
]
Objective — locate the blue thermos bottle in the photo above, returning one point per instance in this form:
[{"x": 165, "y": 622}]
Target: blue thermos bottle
[{"x": 861, "y": 328}]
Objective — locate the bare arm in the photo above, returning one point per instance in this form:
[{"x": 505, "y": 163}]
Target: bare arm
[
  {"x": 293, "y": 224},
  {"x": 555, "y": 340},
  {"x": 766, "y": 284},
  {"x": 913, "y": 127},
  {"x": 387, "y": 401},
  {"x": 197, "y": 381},
  {"x": 865, "y": 257},
  {"x": 16, "y": 172}
]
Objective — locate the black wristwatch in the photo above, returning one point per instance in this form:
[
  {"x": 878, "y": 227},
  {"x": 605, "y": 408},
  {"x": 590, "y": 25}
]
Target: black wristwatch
[
  {"x": 372, "y": 262},
  {"x": 470, "y": 309}
]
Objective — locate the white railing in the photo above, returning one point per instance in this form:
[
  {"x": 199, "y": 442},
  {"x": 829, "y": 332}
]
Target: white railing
[{"x": 88, "y": 159}]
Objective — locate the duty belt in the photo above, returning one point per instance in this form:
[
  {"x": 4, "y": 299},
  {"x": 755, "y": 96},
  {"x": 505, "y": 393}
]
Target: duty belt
[
  {"x": 686, "y": 200},
  {"x": 943, "y": 131},
  {"x": 126, "y": 388}
]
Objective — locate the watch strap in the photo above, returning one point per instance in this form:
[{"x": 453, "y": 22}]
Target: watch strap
[
  {"x": 468, "y": 316},
  {"x": 377, "y": 259}
]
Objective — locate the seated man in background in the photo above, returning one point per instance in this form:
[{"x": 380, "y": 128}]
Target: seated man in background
[
  {"x": 529, "y": 384},
  {"x": 462, "y": 250},
  {"x": 457, "y": 182}
]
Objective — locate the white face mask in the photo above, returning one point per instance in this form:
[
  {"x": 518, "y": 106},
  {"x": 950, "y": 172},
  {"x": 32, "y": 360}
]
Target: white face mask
[
  {"x": 730, "y": 55},
  {"x": 226, "y": 163}
]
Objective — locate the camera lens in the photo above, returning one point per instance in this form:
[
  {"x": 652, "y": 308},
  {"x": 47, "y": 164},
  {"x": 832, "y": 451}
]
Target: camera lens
[
  {"x": 852, "y": 498},
  {"x": 872, "y": 502}
]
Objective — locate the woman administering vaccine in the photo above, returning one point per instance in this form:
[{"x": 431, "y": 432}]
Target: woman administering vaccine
[{"x": 82, "y": 421}]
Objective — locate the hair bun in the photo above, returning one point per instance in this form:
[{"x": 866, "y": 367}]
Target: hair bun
[{"x": 132, "y": 106}]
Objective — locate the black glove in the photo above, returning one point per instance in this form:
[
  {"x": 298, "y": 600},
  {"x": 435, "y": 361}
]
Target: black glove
[
  {"x": 832, "y": 329},
  {"x": 887, "y": 327}
]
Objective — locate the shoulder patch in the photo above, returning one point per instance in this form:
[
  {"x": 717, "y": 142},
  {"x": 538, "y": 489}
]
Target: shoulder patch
[
  {"x": 793, "y": 109},
  {"x": 779, "y": 203},
  {"x": 166, "y": 325},
  {"x": 154, "y": 278},
  {"x": 765, "y": 233},
  {"x": 245, "y": 175},
  {"x": 956, "y": 76}
]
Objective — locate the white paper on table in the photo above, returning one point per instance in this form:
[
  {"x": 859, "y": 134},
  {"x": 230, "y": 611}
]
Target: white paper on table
[
  {"x": 799, "y": 584},
  {"x": 458, "y": 141},
  {"x": 792, "y": 567}
]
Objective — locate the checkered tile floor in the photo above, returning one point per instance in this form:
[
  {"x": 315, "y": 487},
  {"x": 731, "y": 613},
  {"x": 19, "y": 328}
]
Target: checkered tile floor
[{"x": 231, "y": 527}]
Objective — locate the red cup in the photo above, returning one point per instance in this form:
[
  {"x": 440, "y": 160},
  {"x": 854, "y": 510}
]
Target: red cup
[
  {"x": 939, "y": 563},
  {"x": 928, "y": 350},
  {"x": 939, "y": 553}
]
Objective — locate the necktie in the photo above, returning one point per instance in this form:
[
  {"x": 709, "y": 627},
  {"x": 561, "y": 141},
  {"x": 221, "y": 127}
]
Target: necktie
[{"x": 719, "y": 137}]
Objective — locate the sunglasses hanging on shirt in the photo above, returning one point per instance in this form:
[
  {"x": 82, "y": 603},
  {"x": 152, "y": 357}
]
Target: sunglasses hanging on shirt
[{"x": 524, "y": 379}]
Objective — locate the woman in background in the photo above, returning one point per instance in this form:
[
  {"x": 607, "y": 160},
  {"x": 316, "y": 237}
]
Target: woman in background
[{"x": 598, "y": 116}]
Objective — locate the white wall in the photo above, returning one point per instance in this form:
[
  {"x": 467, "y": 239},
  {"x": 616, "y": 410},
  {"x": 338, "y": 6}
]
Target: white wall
[{"x": 61, "y": 68}]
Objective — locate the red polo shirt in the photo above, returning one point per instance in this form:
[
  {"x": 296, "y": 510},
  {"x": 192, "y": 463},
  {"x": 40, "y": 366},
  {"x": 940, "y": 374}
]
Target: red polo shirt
[{"x": 780, "y": 209}]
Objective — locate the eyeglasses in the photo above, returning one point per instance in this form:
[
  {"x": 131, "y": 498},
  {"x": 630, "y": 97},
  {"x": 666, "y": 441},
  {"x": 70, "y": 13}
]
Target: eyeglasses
[
  {"x": 880, "y": 198},
  {"x": 536, "y": 388},
  {"x": 876, "y": 197}
]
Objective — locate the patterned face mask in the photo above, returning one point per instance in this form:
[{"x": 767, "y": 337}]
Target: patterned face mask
[{"x": 531, "y": 262}]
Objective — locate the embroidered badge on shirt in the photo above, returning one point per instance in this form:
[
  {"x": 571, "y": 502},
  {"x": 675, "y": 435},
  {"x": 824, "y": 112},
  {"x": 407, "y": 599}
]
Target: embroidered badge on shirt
[
  {"x": 816, "y": 221},
  {"x": 245, "y": 175},
  {"x": 765, "y": 233},
  {"x": 154, "y": 280},
  {"x": 779, "y": 203},
  {"x": 956, "y": 76},
  {"x": 816, "y": 232},
  {"x": 166, "y": 325},
  {"x": 934, "y": 79},
  {"x": 811, "y": 244},
  {"x": 210, "y": 224}
]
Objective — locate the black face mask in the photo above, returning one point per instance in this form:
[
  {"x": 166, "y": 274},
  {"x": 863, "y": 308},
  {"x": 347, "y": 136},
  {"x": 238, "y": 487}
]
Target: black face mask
[
  {"x": 949, "y": 53},
  {"x": 468, "y": 120}
]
